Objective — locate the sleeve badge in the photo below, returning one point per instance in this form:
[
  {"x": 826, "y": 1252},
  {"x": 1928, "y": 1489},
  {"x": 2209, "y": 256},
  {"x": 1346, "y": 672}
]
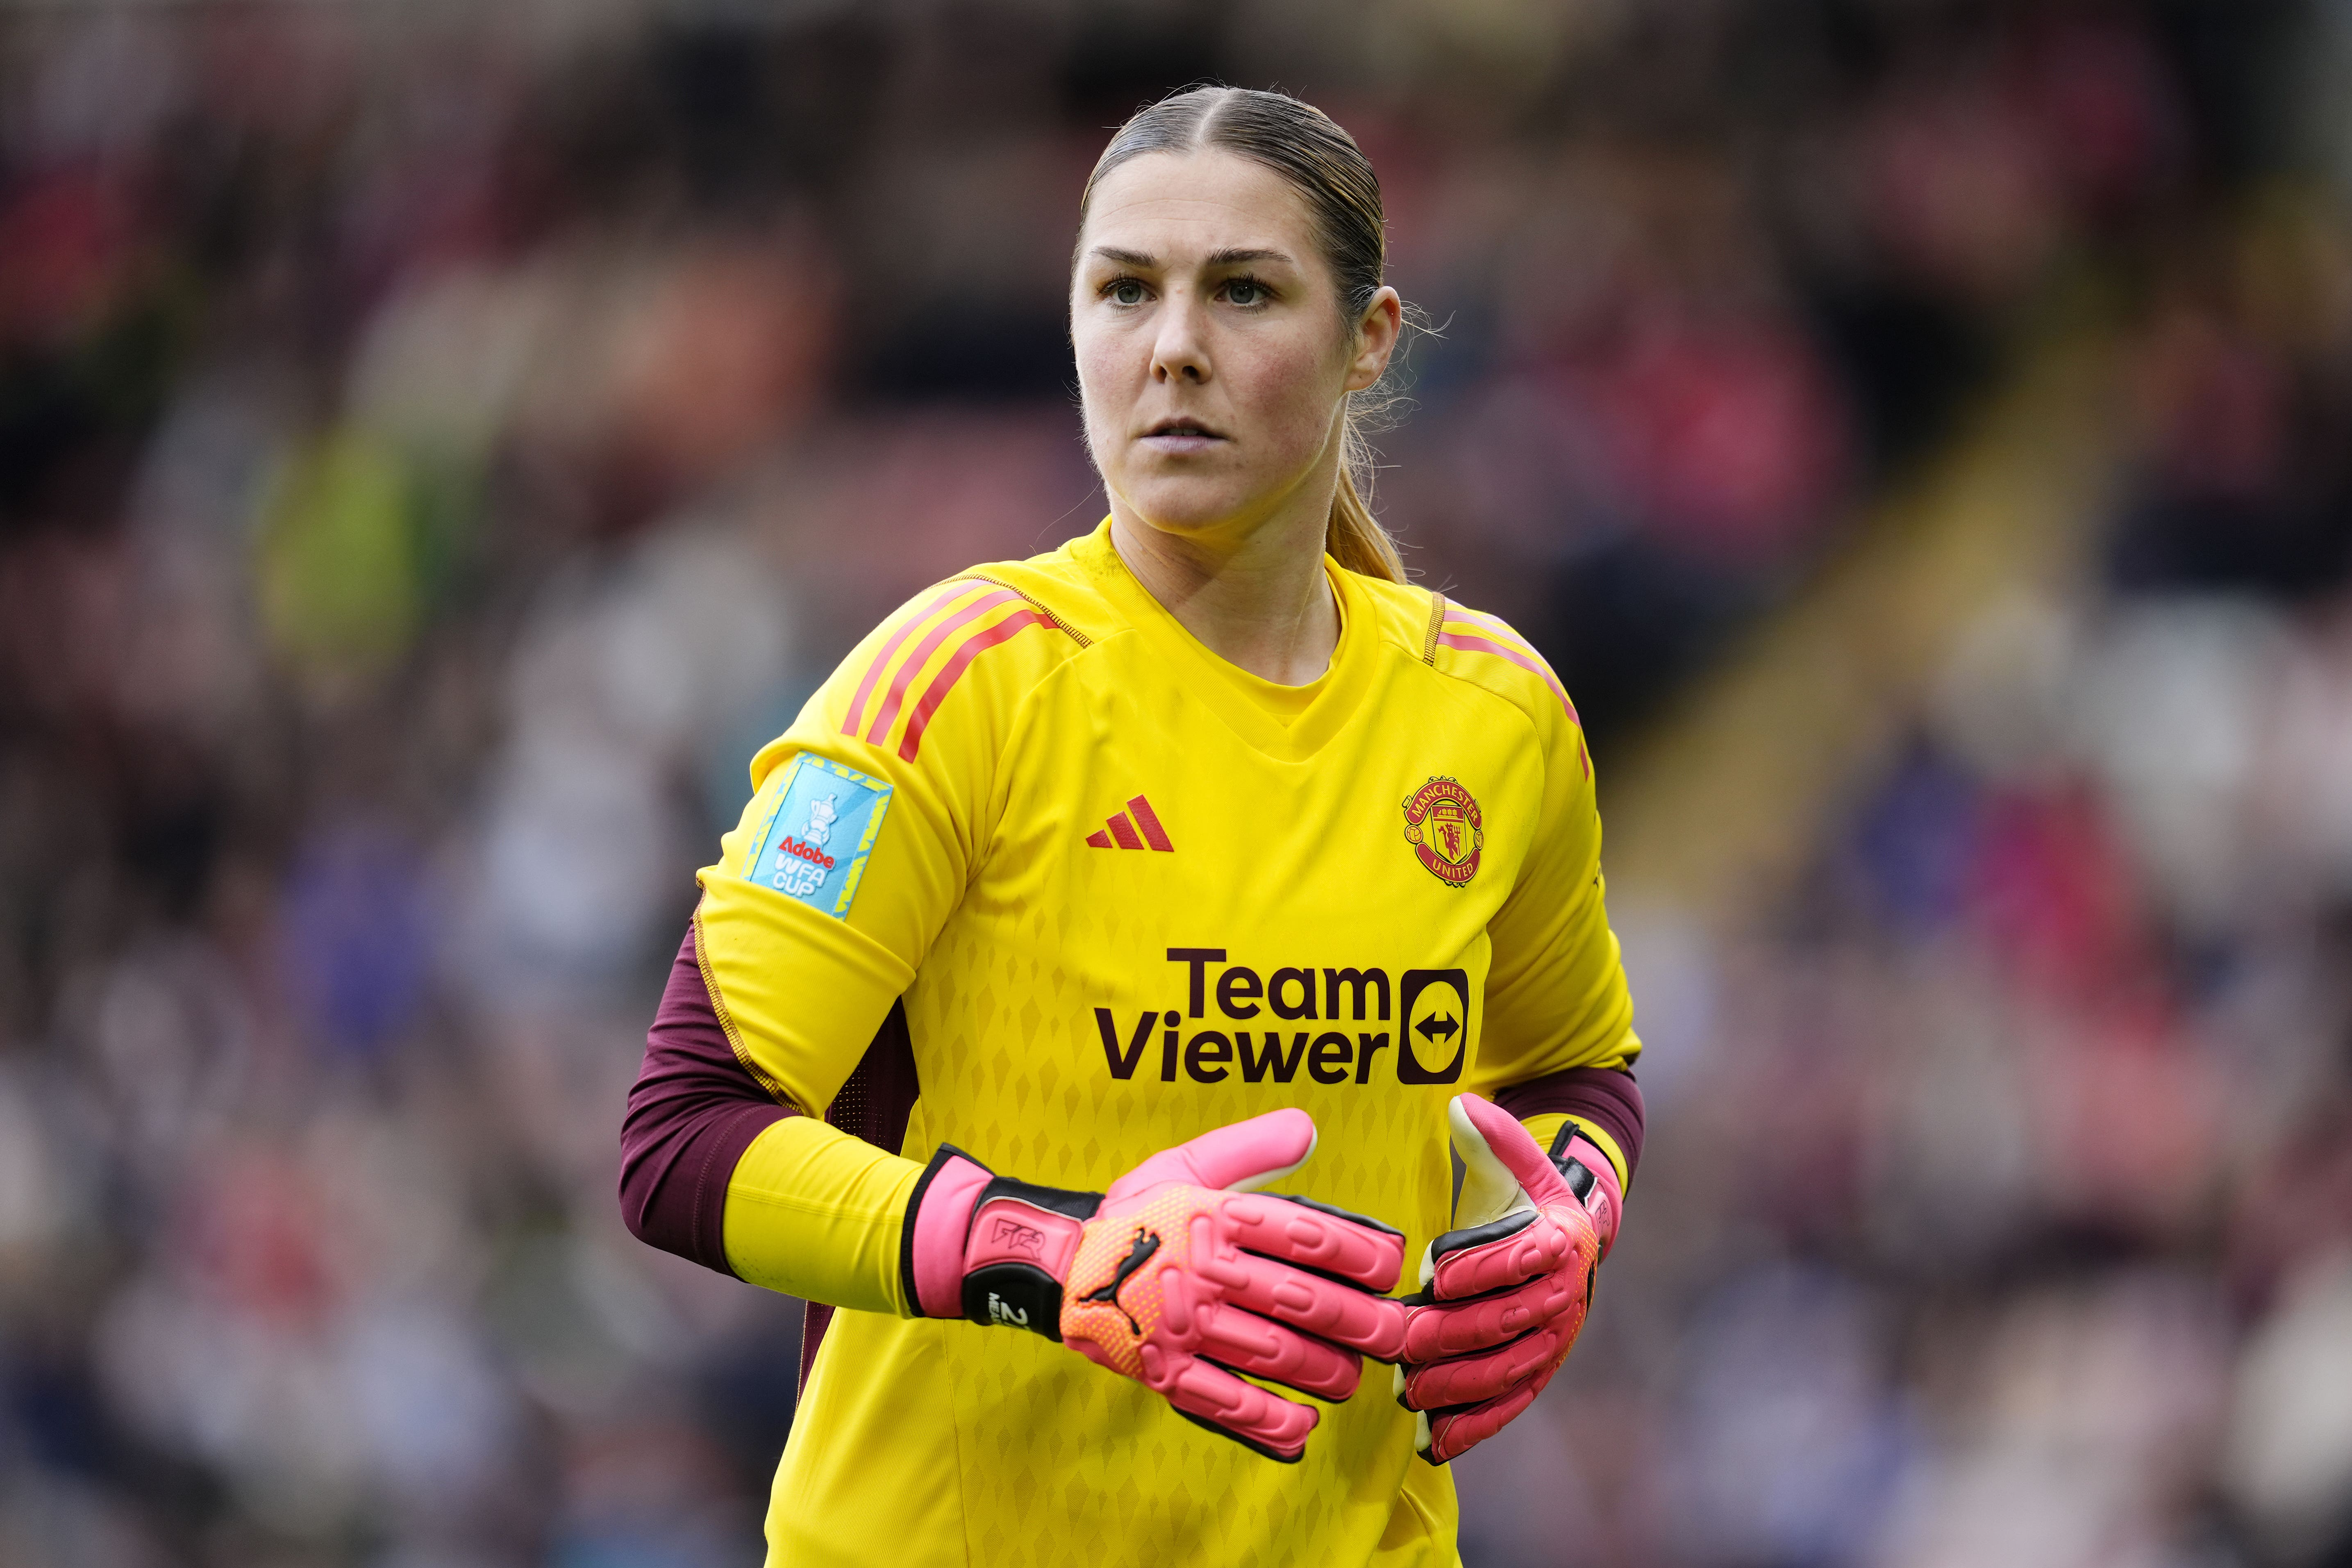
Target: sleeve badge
[{"x": 814, "y": 845}]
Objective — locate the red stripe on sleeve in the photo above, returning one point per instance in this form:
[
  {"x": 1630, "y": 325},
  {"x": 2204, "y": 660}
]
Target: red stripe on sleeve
[
  {"x": 1494, "y": 626},
  {"x": 1532, "y": 665},
  {"x": 1149, "y": 822},
  {"x": 882, "y": 660},
  {"x": 1526, "y": 661},
  {"x": 888, "y": 714},
  {"x": 952, "y": 671},
  {"x": 1478, "y": 623}
]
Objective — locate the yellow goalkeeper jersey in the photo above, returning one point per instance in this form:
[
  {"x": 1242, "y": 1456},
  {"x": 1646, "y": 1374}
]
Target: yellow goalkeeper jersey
[{"x": 1129, "y": 893}]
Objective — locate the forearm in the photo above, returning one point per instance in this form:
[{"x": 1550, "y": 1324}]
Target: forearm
[
  {"x": 715, "y": 1170},
  {"x": 815, "y": 1213}
]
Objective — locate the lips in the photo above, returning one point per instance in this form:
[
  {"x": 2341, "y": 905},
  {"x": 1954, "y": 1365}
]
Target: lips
[{"x": 1181, "y": 438}]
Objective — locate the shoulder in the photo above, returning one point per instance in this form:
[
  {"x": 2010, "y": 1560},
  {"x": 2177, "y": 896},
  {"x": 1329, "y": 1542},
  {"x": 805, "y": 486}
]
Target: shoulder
[
  {"x": 1485, "y": 651},
  {"x": 1064, "y": 585},
  {"x": 1401, "y": 613},
  {"x": 975, "y": 635}
]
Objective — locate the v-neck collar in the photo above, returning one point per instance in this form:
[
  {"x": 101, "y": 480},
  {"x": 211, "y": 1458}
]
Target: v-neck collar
[{"x": 1223, "y": 686}]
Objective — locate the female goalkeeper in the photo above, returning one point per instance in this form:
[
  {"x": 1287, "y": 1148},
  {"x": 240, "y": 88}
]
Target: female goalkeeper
[{"x": 1092, "y": 894}]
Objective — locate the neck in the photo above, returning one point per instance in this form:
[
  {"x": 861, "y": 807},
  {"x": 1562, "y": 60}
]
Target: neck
[{"x": 1259, "y": 600}]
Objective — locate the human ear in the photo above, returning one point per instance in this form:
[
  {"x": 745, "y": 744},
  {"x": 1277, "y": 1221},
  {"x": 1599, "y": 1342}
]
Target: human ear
[{"x": 1377, "y": 331}]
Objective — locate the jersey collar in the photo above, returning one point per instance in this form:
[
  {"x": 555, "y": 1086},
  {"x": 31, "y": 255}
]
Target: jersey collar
[{"x": 1224, "y": 687}]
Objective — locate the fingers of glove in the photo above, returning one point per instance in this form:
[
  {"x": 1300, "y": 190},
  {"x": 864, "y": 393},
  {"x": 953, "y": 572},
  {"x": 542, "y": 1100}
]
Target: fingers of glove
[
  {"x": 1533, "y": 1251},
  {"x": 1249, "y": 1343},
  {"x": 1331, "y": 1241},
  {"x": 1454, "y": 1433},
  {"x": 1486, "y": 1375},
  {"x": 1458, "y": 1328},
  {"x": 1325, "y": 1308},
  {"x": 1276, "y": 1426},
  {"x": 1243, "y": 1155}
]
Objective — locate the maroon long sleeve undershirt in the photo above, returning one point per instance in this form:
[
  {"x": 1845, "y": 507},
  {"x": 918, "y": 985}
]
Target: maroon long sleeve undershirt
[
  {"x": 1608, "y": 1098},
  {"x": 692, "y": 1112},
  {"x": 695, "y": 1109}
]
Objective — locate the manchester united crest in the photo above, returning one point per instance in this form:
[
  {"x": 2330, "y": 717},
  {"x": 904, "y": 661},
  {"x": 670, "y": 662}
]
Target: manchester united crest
[{"x": 1443, "y": 825}]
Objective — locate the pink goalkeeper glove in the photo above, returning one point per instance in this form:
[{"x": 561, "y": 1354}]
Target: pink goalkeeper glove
[
  {"x": 1504, "y": 1295},
  {"x": 1180, "y": 1271}
]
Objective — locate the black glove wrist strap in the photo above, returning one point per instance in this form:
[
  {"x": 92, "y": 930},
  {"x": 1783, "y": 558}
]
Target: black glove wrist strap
[{"x": 1578, "y": 1175}]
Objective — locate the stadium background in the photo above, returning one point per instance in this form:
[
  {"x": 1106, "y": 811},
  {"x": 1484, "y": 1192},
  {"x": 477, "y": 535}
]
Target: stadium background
[{"x": 437, "y": 442}]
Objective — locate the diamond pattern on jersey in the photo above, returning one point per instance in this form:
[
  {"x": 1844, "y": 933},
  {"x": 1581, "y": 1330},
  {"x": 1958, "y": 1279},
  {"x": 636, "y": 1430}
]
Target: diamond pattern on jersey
[{"x": 1134, "y": 828}]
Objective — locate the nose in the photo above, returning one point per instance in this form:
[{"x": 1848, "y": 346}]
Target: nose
[{"x": 1181, "y": 350}]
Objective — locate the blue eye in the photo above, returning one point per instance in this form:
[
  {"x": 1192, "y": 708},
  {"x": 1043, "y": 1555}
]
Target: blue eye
[
  {"x": 1245, "y": 291},
  {"x": 1127, "y": 291}
]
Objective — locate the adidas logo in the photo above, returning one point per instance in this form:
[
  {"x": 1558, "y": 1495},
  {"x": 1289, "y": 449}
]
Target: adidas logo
[{"x": 1120, "y": 831}]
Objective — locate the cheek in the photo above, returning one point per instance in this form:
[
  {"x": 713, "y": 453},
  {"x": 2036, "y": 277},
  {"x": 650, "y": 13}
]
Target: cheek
[
  {"x": 1106, "y": 380},
  {"x": 1288, "y": 388},
  {"x": 1109, "y": 352}
]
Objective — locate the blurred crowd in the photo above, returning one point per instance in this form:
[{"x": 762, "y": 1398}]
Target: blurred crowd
[
  {"x": 437, "y": 450},
  {"x": 2050, "y": 1261}
]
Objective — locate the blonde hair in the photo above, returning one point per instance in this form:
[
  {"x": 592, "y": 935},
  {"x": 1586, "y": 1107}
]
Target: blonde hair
[{"x": 1301, "y": 143}]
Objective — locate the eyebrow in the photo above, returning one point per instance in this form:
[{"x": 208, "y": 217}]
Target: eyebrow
[{"x": 1145, "y": 260}]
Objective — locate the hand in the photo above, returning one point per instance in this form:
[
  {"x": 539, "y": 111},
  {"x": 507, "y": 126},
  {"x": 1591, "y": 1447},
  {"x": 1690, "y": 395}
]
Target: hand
[
  {"x": 1504, "y": 1296},
  {"x": 1178, "y": 1272}
]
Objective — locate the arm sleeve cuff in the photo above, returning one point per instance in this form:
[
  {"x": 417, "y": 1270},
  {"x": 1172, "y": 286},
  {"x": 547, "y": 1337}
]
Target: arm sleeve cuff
[{"x": 818, "y": 1214}]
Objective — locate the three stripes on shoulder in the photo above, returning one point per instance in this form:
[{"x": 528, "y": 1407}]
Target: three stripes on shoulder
[{"x": 964, "y": 620}]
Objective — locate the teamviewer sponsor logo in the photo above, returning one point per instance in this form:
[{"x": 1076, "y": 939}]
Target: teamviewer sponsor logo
[
  {"x": 1273, "y": 1025},
  {"x": 1434, "y": 1005}
]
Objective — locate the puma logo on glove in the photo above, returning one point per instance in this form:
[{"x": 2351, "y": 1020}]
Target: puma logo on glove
[
  {"x": 1146, "y": 1244},
  {"x": 1181, "y": 1276}
]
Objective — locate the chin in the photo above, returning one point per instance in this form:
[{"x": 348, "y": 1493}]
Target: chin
[{"x": 1185, "y": 506}]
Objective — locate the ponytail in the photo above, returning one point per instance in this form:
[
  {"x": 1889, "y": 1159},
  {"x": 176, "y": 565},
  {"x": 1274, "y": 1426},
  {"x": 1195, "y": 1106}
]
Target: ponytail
[{"x": 1354, "y": 537}]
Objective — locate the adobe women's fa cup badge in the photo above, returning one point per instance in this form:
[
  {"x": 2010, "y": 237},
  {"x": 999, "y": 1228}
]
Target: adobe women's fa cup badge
[{"x": 1443, "y": 825}]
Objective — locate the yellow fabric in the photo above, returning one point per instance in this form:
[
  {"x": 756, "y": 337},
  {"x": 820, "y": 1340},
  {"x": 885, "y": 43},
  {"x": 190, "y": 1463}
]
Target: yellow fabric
[
  {"x": 1283, "y": 703},
  {"x": 815, "y": 1213},
  {"x": 794, "y": 979},
  {"x": 1056, "y": 1040}
]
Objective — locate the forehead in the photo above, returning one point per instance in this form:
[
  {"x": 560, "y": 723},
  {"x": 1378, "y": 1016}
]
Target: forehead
[{"x": 1176, "y": 204}]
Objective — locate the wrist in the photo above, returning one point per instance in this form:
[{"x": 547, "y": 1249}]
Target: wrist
[
  {"x": 1018, "y": 1248},
  {"x": 1592, "y": 1175},
  {"x": 939, "y": 1221},
  {"x": 989, "y": 1248}
]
